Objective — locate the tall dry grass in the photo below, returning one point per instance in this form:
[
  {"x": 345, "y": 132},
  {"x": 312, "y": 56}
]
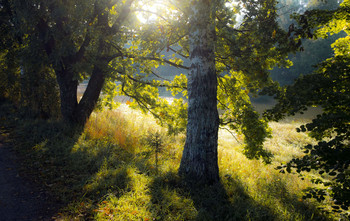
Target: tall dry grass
[
  {"x": 108, "y": 172},
  {"x": 279, "y": 194}
]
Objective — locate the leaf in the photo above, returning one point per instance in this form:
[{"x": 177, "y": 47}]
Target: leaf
[{"x": 274, "y": 33}]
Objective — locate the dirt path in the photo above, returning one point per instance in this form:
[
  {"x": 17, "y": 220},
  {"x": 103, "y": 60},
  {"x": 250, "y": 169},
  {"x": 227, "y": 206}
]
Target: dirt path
[{"x": 20, "y": 199}]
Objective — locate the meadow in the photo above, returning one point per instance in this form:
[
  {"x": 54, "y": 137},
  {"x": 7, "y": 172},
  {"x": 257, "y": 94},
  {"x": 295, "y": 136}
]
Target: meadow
[{"x": 108, "y": 171}]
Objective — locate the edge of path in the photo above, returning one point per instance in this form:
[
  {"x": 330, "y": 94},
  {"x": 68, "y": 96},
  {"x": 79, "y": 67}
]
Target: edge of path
[{"x": 20, "y": 198}]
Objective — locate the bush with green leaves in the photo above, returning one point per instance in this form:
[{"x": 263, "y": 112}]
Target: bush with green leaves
[{"x": 328, "y": 87}]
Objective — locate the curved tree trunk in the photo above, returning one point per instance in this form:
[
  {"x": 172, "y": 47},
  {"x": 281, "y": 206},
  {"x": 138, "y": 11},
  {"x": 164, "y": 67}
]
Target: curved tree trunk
[
  {"x": 68, "y": 94},
  {"x": 199, "y": 161},
  {"x": 75, "y": 113},
  {"x": 90, "y": 97}
]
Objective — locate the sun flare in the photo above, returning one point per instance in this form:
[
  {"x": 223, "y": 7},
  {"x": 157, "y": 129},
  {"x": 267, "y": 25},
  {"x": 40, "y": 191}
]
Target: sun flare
[{"x": 149, "y": 11}]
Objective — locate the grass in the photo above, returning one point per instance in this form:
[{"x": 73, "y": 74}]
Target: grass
[{"x": 108, "y": 172}]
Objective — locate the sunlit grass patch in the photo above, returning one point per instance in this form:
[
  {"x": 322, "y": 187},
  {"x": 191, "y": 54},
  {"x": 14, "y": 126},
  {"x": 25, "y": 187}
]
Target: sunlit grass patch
[
  {"x": 286, "y": 142},
  {"x": 108, "y": 171},
  {"x": 280, "y": 193},
  {"x": 127, "y": 203}
]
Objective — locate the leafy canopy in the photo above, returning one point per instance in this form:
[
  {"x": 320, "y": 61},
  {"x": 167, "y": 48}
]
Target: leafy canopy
[
  {"x": 329, "y": 88},
  {"x": 245, "y": 52}
]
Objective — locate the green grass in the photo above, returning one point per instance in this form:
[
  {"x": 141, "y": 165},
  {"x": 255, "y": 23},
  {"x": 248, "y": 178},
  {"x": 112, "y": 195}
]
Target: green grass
[{"x": 108, "y": 172}]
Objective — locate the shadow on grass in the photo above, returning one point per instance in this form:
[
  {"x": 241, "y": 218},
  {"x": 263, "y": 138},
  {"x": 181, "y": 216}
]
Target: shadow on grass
[
  {"x": 227, "y": 200},
  {"x": 298, "y": 208},
  {"x": 208, "y": 202},
  {"x": 72, "y": 173}
]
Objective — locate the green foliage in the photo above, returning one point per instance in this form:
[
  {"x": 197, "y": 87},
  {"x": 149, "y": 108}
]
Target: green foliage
[
  {"x": 108, "y": 98},
  {"x": 10, "y": 86},
  {"x": 170, "y": 113},
  {"x": 327, "y": 87},
  {"x": 76, "y": 40},
  {"x": 255, "y": 132},
  {"x": 79, "y": 37},
  {"x": 155, "y": 141},
  {"x": 312, "y": 51},
  {"x": 9, "y": 62},
  {"x": 39, "y": 88},
  {"x": 27, "y": 78},
  {"x": 244, "y": 55},
  {"x": 240, "y": 116}
]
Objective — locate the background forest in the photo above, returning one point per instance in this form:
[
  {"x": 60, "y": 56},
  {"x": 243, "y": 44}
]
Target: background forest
[{"x": 180, "y": 110}]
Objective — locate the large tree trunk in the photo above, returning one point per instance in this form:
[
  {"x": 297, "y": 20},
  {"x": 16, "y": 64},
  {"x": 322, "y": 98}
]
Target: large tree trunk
[
  {"x": 199, "y": 161},
  {"x": 68, "y": 94},
  {"x": 75, "y": 113},
  {"x": 91, "y": 95}
]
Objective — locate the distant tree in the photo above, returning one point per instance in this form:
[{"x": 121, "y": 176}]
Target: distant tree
[
  {"x": 10, "y": 86},
  {"x": 327, "y": 87},
  {"x": 77, "y": 40},
  {"x": 9, "y": 69},
  {"x": 26, "y": 79},
  {"x": 314, "y": 51},
  {"x": 98, "y": 41}
]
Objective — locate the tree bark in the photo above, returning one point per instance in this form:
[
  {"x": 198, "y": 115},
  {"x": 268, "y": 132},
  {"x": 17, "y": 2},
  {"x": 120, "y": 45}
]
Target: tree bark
[
  {"x": 75, "y": 113},
  {"x": 91, "y": 95},
  {"x": 199, "y": 161},
  {"x": 68, "y": 94}
]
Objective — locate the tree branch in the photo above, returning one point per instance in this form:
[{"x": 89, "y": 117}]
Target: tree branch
[
  {"x": 148, "y": 58},
  {"x": 159, "y": 76},
  {"x": 224, "y": 128},
  {"x": 155, "y": 85},
  {"x": 155, "y": 13},
  {"x": 80, "y": 53},
  {"x": 166, "y": 61},
  {"x": 182, "y": 55},
  {"x": 124, "y": 14}
]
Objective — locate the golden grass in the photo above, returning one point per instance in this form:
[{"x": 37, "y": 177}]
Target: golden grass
[
  {"x": 109, "y": 173},
  {"x": 122, "y": 130},
  {"x": 262, "y": 183}
]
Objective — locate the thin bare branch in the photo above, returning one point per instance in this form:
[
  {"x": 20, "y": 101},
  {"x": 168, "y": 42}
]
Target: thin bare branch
[
  {"x": 182, "y": 55},
  {"x": 233, "y": 135},
  {"x": 155, "y": 85},
  {"x": 159, "y": 76},
  {"x": 154, "y": 13}
]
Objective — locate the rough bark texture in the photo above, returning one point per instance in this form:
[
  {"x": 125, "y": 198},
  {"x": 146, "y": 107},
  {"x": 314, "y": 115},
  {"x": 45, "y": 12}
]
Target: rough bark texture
[
  {"x": 68, "y": 94},
  {"x": 91, "y": 95},
  {"x": 73, "y": 112},
  {"x": 199, "y": 161}
]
